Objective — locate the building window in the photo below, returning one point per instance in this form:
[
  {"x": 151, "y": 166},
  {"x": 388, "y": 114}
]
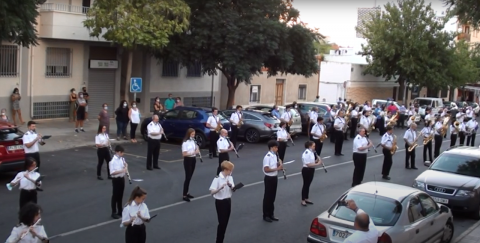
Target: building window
[
  {"x": 8, "y": 60},
  {"x": 194, "y": 70},
  {"x": 302, "y": 92},
  {"x": 255, "y": 93},
  {"x": 169, "y": 68},
  {"x": 58, "y": 62}
]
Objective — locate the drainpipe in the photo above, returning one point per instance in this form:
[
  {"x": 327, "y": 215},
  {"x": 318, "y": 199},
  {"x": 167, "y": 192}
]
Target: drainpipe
[
  {"x": 211, "y": 92},
  {"x": 31, "y": 81},
  {"x": 319, "y": 58}
]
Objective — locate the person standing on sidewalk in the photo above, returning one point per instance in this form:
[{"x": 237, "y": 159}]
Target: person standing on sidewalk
[
  {"x": 122, "y": 120},
  {"x": 15, "y": 98},
  {"x": 134, "y": 116},
  {"x": 81, "y": 110},
  {"x": 104, "y": 118},
  {"x": 73, "y": 105},
  {"x": 155, "y": 131},
  {"x": 30, "y": 143},
  {"x": 86, "y": 96},
  {"x": 169, "y": 103}
]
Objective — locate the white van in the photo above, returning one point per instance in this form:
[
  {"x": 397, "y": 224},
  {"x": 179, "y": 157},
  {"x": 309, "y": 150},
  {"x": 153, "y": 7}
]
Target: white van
[{"x": 423, "y": 102}]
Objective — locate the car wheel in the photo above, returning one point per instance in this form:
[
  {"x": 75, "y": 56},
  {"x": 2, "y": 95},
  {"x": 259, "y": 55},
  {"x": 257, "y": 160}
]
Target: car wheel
[
  {"x": 252, "y": 135},
  {"x": 201, "y": 139},
  {"x": 476, "y": 214},
  {"x": 448, "y": 230}
]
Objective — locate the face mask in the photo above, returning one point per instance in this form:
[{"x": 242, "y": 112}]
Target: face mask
[
  {"x": 17, "y": 92},
  {"x": 178, "y": 100},
  {"x": 296, "y": 107},
  {"x": 124, "y": 105},
  {"x": 3, "y": 113},
  {"x": 73, "y": 92},
  {"x": 106, "y": 108},
  {"x": 134, "y": 106},
  {"x": 81, "y": 96},
  {"x": 158, "y": 100}
]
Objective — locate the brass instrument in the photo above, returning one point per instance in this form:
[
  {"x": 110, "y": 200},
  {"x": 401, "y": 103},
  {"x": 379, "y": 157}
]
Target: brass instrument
[
  {"x": 219, "y": 126},
  {"x": 445, "y": 125},
  {"x": 393, "y": 120},
  {"x": 324, "y": 134},
  {"x": 126, "y": 171},
  {"x": 371, "y": 127},
  {"x": 456, "y": 124},
  {"x": 428, "y": 139},
  {"x": 240, "y": 121},
  {"x": 347, "y": 118},
  {"x": 290, "y": 122},
  {"x": 394, "y": 148},
  {"x": 414, "y": 145}
]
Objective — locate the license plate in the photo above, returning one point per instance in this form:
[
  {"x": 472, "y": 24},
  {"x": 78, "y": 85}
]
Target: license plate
[
  {"x": 15, "y": 147},
  {"x": 440, "y": 200},
  {"x": 340, "y": 234}
]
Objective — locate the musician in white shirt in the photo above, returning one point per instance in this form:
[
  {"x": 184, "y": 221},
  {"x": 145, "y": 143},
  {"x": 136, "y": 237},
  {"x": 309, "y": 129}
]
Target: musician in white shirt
[
  {"x": 360, "y": 149},
  {"x": 28, "y": 182},
  {"x": 387, "y": 145},
  {"x": 469, "y": 112},
  {"x": 309, "y": 160},
  {"x": 428, "y": 115},
  {"x": 438, "y": 137},
  {"x": 353, "y": 121},
  {"x": 135, "y": 215},
  {"x": 282, "y": 138},
  {"x": 118, "y": 169},
  {"x": 410, "y": 138},
  {"x": 102, "y": 142},
  {"x": 463, "y": 132},
  {"x": 339, "y": 126},
  {"x": 317, "y": 133},
  {"x": 287, "y": 117},
  {"x": 155, "y": 131},
  {"x": 30, "y": 227},
  {"x": 365, "y": 121},
  {"x": 427, "y": 131},
  {"x": 235, "y": 119},
  {"x": 454, "y": 131},
  {"x": 190, "y": 150},
  {"x": 212, "y": 123},
  {"x": 472, "y": 126},
  {"x": 312, "y": 115},
  {"x": 31, "y": 139},
  {"x": 222, "y": 189},
  {"x": 270, "y": 169},
  {"x": 460, "y": 116}
]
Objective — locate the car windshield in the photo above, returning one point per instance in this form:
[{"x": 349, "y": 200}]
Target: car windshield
[
  {"x": 219, "y": 115},
  {"x": 422, "y": 102},
  {"x": 269, "y": 116},
  {"x": 457, "y": 164},
  {"x": 9, "y": 134},
  {"x": 382, "y": 210}
]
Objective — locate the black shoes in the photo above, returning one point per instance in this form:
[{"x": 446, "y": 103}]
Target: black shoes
[
  {"x": 100, "y": 178},
  {"x": 156, "y": 167},
  {"x": 190, "y": 196},
  {"x": 186, "y": 199},
  {"x": 386, "y": 177},
  {"x": 270, "y": 219},
  {"x": 115, "y": 216}
]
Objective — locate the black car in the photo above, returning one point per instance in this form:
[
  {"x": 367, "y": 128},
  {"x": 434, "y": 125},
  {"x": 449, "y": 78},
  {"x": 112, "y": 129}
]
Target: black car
[
  {"x": 323, "y": 110},
  {"x": 257, "y": 125}
]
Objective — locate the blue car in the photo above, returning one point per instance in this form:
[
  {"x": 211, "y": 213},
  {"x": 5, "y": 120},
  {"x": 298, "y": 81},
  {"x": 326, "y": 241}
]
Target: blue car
[{"x": 176, "y": 122}]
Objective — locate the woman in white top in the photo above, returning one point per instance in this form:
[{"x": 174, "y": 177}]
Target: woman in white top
[
  {"x": 134, "y": 116},
  {"x": 134, "y": 216},
  {"x": 282, "y": 138},
  {"x": 309, "y": 161},
  {"x": 81, "y": 104},
  {"x": 29, "y": 229},
  {"x": 102, "y": 142},
  {"x": 189, "y": 152}
]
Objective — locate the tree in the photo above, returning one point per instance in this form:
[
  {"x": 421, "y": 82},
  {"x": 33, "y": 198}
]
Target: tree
[
  {"x": 322, "y": 46},
  {"x": 407, "y": 43},
  {"x": 467, "y": 11},
  {"x": 239, "y": 38},
  {"x": 137, "y": 23},
  {"x": 462, "y": 66},
  {"x": 18, "y": 20}
]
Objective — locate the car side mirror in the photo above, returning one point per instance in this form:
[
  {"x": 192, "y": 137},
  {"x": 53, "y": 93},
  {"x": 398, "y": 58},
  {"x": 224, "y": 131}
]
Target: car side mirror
[
  {"x": 444, "y": 209},
  {"x": 427, "y": 163}
]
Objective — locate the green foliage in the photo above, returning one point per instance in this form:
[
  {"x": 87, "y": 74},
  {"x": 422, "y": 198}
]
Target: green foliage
[
  {"x": 463, "y": 65},
  {"x": 18, "y": 21},
  {"x": 137, "y": 22},
  {"x": 322, "y": 47},
  {"x": 468, "y": 11}
]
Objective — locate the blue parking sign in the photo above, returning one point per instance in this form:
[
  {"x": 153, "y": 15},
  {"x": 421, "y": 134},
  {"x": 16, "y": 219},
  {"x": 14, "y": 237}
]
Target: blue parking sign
[{"x": 135, "y": 85}]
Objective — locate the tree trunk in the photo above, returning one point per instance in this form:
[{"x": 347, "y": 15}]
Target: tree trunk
[
  {"x": 401, "y": 91},
  {"x": 231, "y": 92},
  {"x": 451, "y": 93},
  {"x": 128, "y": 76}
]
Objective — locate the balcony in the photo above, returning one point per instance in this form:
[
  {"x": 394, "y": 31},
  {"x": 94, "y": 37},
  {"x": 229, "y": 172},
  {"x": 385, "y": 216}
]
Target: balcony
[{"x": 63, "y": 21}]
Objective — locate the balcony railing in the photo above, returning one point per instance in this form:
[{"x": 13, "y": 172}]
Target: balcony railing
[{"x": 63, "y": 8}]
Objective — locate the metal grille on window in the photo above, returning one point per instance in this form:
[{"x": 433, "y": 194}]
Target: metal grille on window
[
  {"x": 169, "y": 68},
  {"x": 255, "y": 93},
  {"x": 365, "y": 15},
  {"x": 302, "y": 92},
  {"x": 198, "y": 101},
  {"x": 47, "y": 110},
  {"x": 58, "y": 62},
  {"x": 194, "y": 70},
  {"x": 8, "y": 60}
]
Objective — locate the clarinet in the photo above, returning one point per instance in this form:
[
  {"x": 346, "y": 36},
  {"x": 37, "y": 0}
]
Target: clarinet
[
  {"x": 318, "y": 157},
  {"x": 283, "y": 170}
]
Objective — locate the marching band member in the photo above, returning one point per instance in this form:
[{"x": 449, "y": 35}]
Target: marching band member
[
  {"x": 472, "y": 126},
  {"x": 30, "y": 143},
  {"x": 411, "y": 113},
  {"x": 282, "y": 138},
  {"x": 365, "y": 121},
  {"x": 287, "y": 117},
  {"x": 135, "y": 215},
  {"x": 310, "y": 161},
  {"x": 212, "y": 124},
  {"x": 353, "y": 121},
  {"x": 460, "y": 116},
  {"x": 453, "y": 133},
  {"x": 428, "y": 115},
  {"x": 387, "y": 144},
  {"x": 443, "y": 112},
  {"x": 29, "y": 230},
  {"x": 409, "y": 138},
  {"x": 28, "y": 182},
  {"x": 317, "y": 132},
  {"x": 427, "y": 132},
  {"x": 463, "y": 131},
  {"x": 438, "y": 137},
  {"x": 360, "y": 149},
  {"x": 102, "y": 142},
  {"x": 118, "y": 169},
  {"x": 313, "y": 115},
  {"x": 221, "y": 189},
  {"x": 339, "y": 126},
  {"x": 155, "y": 131},
  {"x": 235, "y": 119},
  {"x": 469, "y": 112},
  {"x": 224, "y": 146},
  {"x": 189, "y": 152},
  {"x": 270, "y": 169}
]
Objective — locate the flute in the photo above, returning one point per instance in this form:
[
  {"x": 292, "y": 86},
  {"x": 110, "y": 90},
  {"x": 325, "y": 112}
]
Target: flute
[
  {"x": 199, "y": 152},
  {"x": 126, "y": 171},
  {"x": 135, "y": 216},
  {"x": 14, "y": 183},
  {"x": 28, "y": 231},
  {"x": 318, "y": 157}
]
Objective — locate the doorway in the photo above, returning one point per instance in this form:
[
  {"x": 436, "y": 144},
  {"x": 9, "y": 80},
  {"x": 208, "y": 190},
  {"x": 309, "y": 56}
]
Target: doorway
[{"x": 279, "y": 92}]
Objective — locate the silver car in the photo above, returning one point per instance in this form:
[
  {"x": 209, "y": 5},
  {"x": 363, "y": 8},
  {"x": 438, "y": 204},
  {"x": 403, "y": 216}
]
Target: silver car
[
  {"x": 296, "y": 127},
  {"x": 453, "y": 179},
  {"x": 400, "y": 213}
]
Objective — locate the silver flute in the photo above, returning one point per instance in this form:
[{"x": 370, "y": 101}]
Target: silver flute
[
  {"x": 199, "y": 152},
  {"x": 28, "y": 231}
]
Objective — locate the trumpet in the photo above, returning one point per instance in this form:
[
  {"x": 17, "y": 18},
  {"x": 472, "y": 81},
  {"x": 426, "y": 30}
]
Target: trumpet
[
  {"x": 11, "y": 185},
  {"x": 126, "y": 171},
  {"x": 28, "y": 229}
]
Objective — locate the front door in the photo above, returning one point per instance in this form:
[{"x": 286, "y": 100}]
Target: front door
[{"x": 279, "y": 92}]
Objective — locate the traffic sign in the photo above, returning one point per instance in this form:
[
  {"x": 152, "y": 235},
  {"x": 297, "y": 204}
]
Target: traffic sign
[{"x": 135, "y": 85}]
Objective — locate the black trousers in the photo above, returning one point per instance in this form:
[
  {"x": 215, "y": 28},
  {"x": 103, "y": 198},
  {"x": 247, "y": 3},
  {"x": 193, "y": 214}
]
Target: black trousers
[
  {"x": 409, "y": 157},
  {"x": 222, "y": 157},
  {"x": 35, "y": 156},
  {"x": 27, "y": 196},
  {"x": 189, "y": 167},
  {"x": 136, "y": 234},
  {"x": 462, "y": 138},
  {"x": 438, "y": 144},
  {"x": 307, "y": 175},
  {"x": 223, "y": 208},
  {"x": 213, "y": 136},
  {"x": 282, "y": 147},
  {"x": 387, "y": 162},
  {"x": 360, "y": 163},
  {"x": 118, "y": 185},
  {"x": 153, "y": 152},
  {"x": 353, "y": 127},
  {"x": 269, "y": 195},
  {"x": 318, "y": 146},
  {"x": 338, "y": 141},
  {"x": 310, "y": 130},
  {"x": 234, "y": 137},
  {"x": 471, "y": 140},
  {"x": 332, "y": 134},
  {"x": 103, "y": 154},
  {"x": 453, "y": 139},
  {"x": 287, "y": 128},
  {"x": 133, "y": 130},
  {"x": 428, "y": 147}
]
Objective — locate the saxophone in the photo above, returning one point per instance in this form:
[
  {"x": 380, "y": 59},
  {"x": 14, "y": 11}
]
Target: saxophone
[
  {"x": 324, "y": 134},
  {"x": 219, "y": 127},
  {"x": 240, "y": 121},
  {"x": 445, "y": 126},
  {"x": 414, "y": 145},
  {"x": 394, "y": 148}
]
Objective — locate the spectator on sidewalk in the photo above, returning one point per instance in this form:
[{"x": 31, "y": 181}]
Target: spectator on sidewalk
[
  {"x": 81, "y": 104},
  {"x": 4, "y": 117},
  {"x": 134, "y": 116},
  {"x": 73, "y": 104},
  {"x": 169, "y": 103},
  {"x": 157, "y": 107},
  {"x": 104, "y": 117},
  {"x": 86, "y": 96},
  {"x": 317, "y": 99},
  {"x": 122, "y": 119},
  {"x": 15, "y": 98},
  {"x": 178, "y": 102}
]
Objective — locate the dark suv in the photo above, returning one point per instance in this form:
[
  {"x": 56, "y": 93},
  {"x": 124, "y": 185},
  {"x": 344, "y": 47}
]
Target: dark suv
[
  {"x": 12, "y": 156},
  {"x": 323, "y": 110}
]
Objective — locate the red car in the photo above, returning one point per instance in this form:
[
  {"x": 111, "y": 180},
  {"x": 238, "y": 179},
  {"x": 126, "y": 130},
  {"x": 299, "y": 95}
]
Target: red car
[{"x": 12, "y": 156}]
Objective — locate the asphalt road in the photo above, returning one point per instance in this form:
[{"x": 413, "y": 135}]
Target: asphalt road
[{"x": 77, "y": 206}]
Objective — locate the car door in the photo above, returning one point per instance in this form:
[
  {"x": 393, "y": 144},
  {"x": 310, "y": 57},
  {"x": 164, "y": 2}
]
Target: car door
[
  {"x": 417, "y": 229},
  {"x": 186, "y": 120},
  {"x": 169, "y": 122},
  {"x": 432, "y": 217}
]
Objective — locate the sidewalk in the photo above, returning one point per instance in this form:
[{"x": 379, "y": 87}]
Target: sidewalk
[{"x": 471, "y": 235}]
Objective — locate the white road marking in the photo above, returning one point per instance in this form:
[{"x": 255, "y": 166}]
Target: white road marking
[
  {"x": 289, "y": 162},
  {"x": 326, "y": 157},
  {"x": 208, "y": 195}
]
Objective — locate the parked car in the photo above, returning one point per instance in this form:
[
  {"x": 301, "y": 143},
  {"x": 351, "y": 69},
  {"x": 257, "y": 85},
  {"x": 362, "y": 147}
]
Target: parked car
[
  {"x": 176, "y": 122},
  {"x": 453, "y": 179},
  {"x": 428, "y": 102},
  {"x": 400, "y": 213},
  {"x": 12, "y": 155},
  {"x": 323, "y": 111},
  {"x": 376, "y": 102},
  {"x": 257, "y": 125},
  {"x": 297, "y": 120}
]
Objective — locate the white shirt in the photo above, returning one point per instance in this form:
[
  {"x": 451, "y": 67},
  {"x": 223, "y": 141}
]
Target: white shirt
[
  {"x": 213, "y": 122},
  {"x": 333, "y": 112},
  {"x": 313, "y": 117},
  {"x": 340, "y": 122},
  {"x": 426, "y": 132},
  {"x": 387, "y": 140},
  {"x": 453, "y": 130},
  {"x": 472, "y": 124},
  {"x": 365, "y": 122},
  {"x": 367, "y": 108},
  {"x": 463, "y": 127},
  {"x": 438, "y": 127},
  {"x": 282, "y": 135},
  {"x": 154, "y": 128},
  {"x": 308, "y": 157},
  {"x": 235, "y": 117},
  {"x": 354, "y": 113},
  {"x": 135, "y": 116},
  {"x": 28, "y": 137},
  {"x": 460, "y": 117},
  {"x": 189, "y": 146},
  {"x": 102, "y": 139},
  {"x": 317, "y": 131},
  {"x": 222, "y": 143},
  {"x": 370, "y": 236},
  {"x": 29, "y": 238},
  {"x": 270, "y": 161},
  {"x": 116, "y": 164},
  {"x": 358, "y": 142},
  {"x": 25, "y": 183},
  {"x": 218, "y": 182},
  {"x": 411, "y": 112},
  {"x": 469, "y": 113},
  {"x": 287, "y": 116},
  {"x": 131, "y": 211},
  {"x": 428, "y": 117},
  {"x": 410, "y": 136},
  {"x": 387, "y": 120}
]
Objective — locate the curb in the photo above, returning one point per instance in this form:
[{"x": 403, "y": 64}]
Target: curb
[{"x": 466, "y": 232}]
